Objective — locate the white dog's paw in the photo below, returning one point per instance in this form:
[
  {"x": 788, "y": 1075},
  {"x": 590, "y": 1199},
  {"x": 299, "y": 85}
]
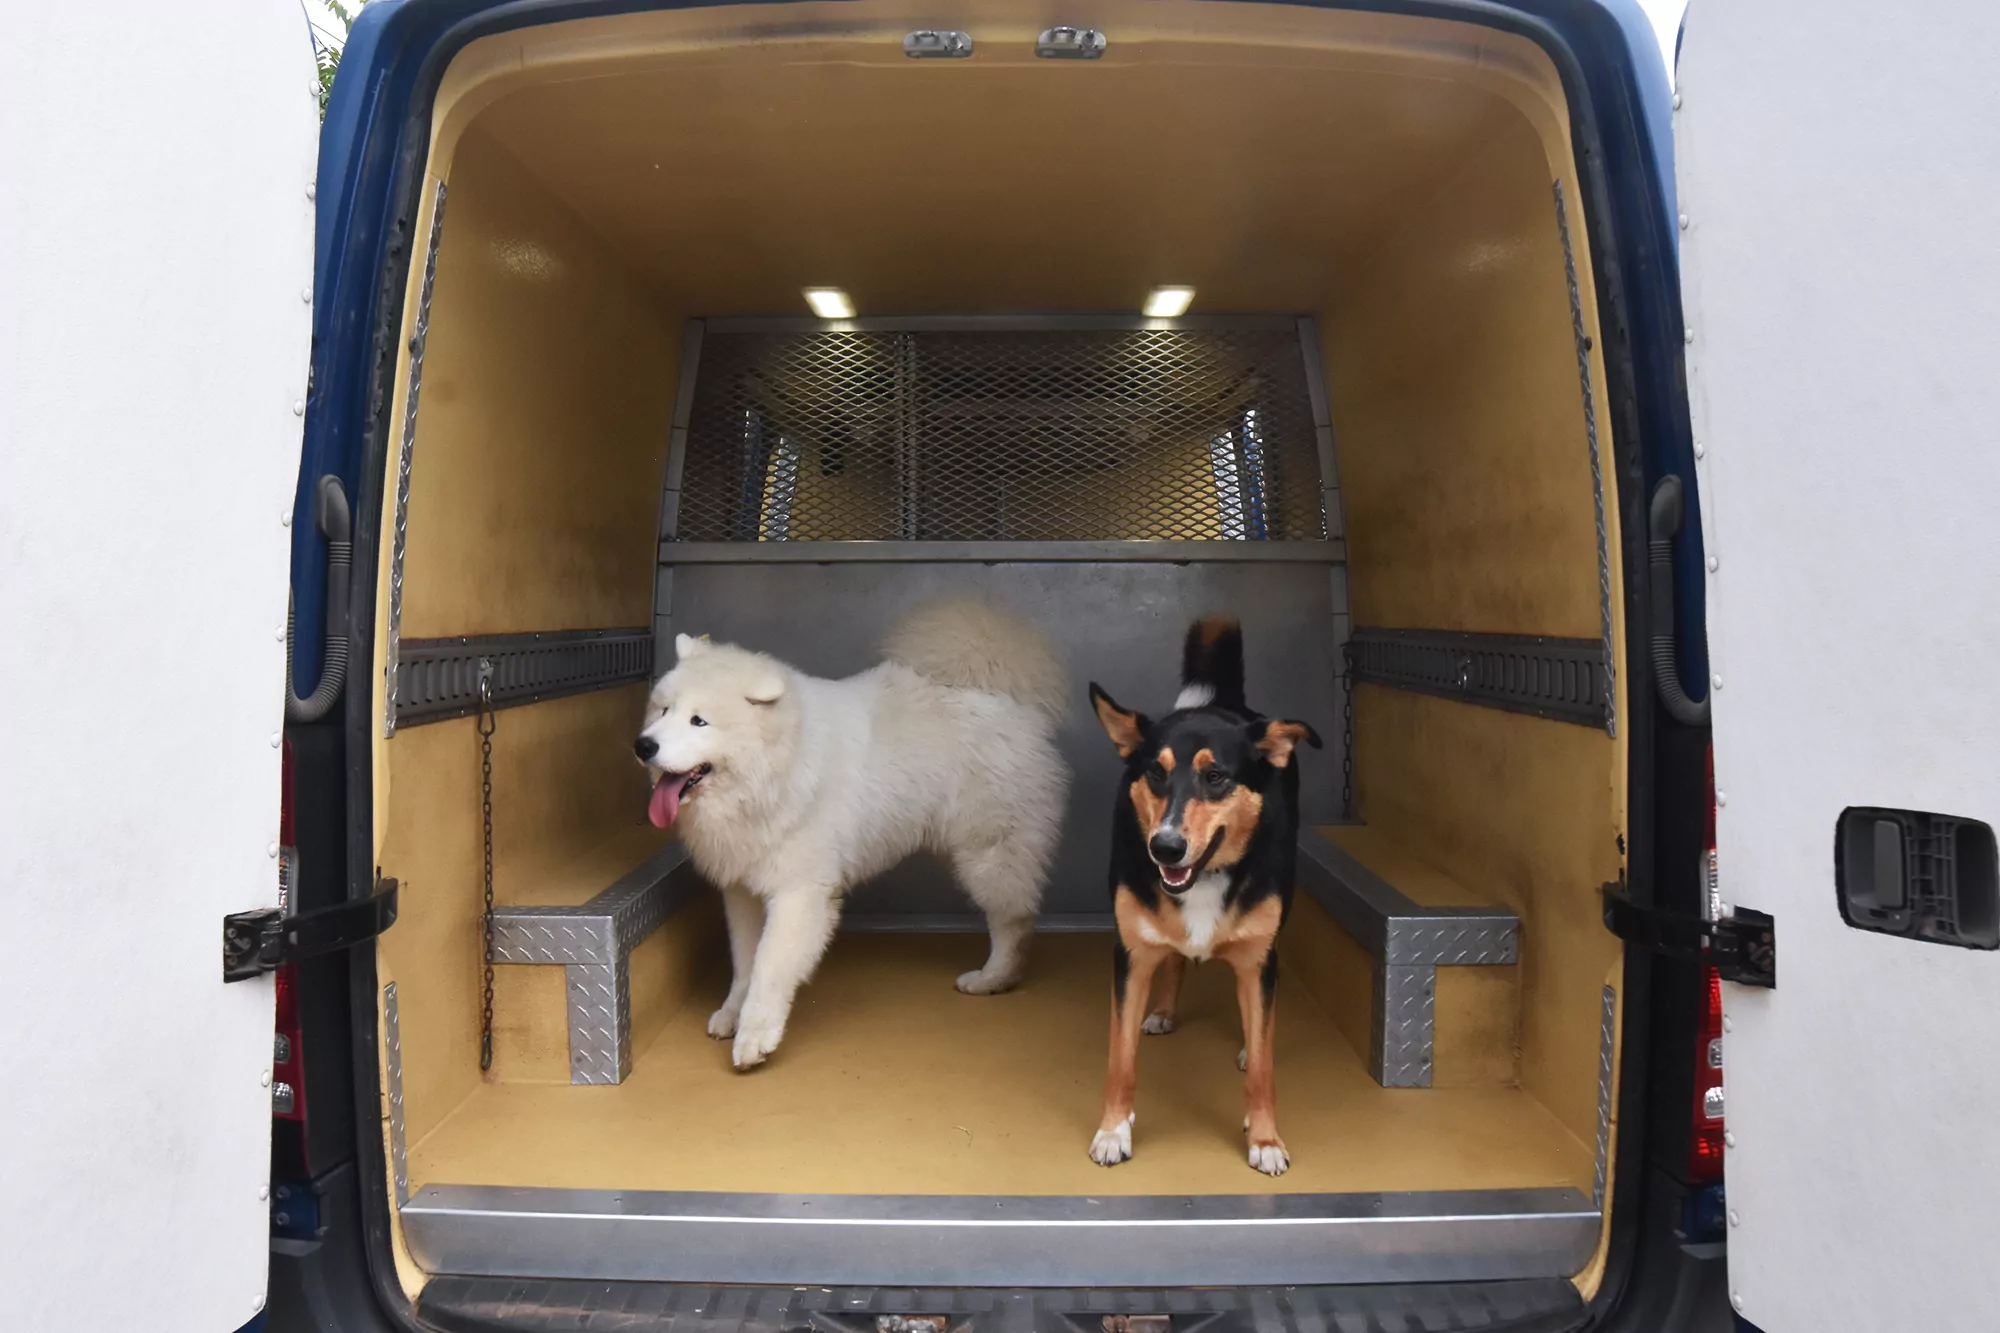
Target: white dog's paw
[
  {"x": 983, "y": 982},
  {"x": 1243, "y": 1058},
  {"x": 1109, "y": 1147},
  {"x": 722, "y": 1023},
  {"x": 1270, "y": 1158},
  {"x": 1157, "y": 1025},
  {"x": 756, "y": 1037}
]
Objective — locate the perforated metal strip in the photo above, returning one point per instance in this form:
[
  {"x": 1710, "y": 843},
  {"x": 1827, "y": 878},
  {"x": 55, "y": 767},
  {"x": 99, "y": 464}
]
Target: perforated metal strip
[
  {"x": 1607, "y": 1038},
  {"x": 1583, "y": 346},
  {"x": 392, "y": 1044},
  {"x": 440, "y": 677},
  {"x": 405, "y": 458},
  {"x": 1560, "y": 679}
]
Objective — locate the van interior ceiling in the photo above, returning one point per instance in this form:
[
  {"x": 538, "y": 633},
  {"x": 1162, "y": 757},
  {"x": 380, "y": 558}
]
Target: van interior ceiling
[{"x": 1375, "y": 439}]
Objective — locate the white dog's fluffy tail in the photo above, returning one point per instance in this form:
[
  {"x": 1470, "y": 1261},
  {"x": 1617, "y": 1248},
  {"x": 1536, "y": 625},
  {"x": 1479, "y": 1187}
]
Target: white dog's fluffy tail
[{"x": 973, "y": 646}]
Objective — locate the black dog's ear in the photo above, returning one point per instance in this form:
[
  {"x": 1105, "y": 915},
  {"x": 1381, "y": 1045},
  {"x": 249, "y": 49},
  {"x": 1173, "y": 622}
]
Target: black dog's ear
[
  {"x": 1275, "y": 739},
  {"x": 1125, "y": 728}
]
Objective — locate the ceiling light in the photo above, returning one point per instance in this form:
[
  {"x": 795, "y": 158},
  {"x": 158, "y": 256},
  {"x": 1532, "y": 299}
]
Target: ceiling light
[
  {"x": 1168, "y": 302},
  {"x": 830, "y": 302}
]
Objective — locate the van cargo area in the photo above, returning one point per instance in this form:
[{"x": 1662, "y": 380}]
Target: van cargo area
[{"x": 1378, "y": 439}]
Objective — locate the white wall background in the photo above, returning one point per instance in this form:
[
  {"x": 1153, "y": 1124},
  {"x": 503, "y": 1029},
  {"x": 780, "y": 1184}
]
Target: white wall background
[{"x": 1666, "y": 16}]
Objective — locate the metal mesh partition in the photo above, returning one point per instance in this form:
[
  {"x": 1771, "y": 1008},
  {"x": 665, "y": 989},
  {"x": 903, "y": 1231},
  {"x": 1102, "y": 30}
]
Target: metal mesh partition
[{"x": 1043, "y": 434}]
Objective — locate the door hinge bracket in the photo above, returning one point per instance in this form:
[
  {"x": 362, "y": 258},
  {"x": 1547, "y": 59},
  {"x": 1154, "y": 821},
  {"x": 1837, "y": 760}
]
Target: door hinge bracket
[
  {"x": 254, "y": 943},
  {"x": 1742, "y": 947}
]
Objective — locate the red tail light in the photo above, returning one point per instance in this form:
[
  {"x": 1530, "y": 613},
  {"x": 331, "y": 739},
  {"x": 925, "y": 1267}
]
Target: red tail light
[
  {"x": 1705, "y": 1143},
  {"x": 288, "y": 1089},
  {"x": 1705, "y": 1140},
  {"x": 288, "y": 1093}
]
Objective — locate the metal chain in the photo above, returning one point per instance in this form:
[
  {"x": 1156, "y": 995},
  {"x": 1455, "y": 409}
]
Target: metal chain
[
  {"x": 1347, "y": 730},
  {"x": 486, "y": 725}
]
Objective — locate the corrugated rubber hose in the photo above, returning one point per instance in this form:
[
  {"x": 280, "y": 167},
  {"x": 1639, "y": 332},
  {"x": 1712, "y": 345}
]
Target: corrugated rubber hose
[
  {"x": 1664, "y": 524},
  {"x": 330, "y": 511}
]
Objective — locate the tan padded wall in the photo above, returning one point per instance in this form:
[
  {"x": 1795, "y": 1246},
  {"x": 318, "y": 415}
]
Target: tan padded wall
[
  {"x": 534, "y": 503},
  {"x": 542, "y": 432},
  {"x": 1451, "y": 370},
  {"x": 1465, "y": 472}
]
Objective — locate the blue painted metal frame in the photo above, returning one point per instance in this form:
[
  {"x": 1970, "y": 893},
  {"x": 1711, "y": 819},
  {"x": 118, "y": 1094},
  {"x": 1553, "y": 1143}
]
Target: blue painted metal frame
[
  {"x": 1664, "y": 415},
  {"x": 358, "y": 148}
]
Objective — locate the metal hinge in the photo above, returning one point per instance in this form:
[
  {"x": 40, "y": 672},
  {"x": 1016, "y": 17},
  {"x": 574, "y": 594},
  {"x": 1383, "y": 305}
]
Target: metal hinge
[
  {"x": 938, "y": 44},
  {"x": 1742, "y": 946},
  {"x": 254, "y": 943},
  {"x": 1066, "y": 43}
]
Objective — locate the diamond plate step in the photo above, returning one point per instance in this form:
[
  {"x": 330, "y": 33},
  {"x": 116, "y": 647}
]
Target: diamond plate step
[
  {"x": 1408, "y": 943},
  {"x": 593, "y": 942}
]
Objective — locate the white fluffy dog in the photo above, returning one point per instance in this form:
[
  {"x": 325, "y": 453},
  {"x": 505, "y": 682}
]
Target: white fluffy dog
[{"x": 789, "y": 790}]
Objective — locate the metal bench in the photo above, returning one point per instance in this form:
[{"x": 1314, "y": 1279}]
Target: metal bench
[
  {"x": 1408, "y": 943},
  {"x": 593, "y": 943}
]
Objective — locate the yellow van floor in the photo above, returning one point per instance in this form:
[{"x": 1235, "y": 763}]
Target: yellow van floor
[{"x": 891, "y": 1082}]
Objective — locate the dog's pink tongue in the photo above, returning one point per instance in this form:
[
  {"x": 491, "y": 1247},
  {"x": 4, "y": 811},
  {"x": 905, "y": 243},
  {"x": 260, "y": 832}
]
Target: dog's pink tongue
[{"x": 666, "y": 802}]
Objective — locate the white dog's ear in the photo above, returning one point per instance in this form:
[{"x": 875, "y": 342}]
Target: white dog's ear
[
  {"x": 686, "y": 646},
  {"x": 767, "y": 687}
]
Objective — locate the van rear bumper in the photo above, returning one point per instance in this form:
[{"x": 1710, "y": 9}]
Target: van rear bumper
[{"x": 468, "y": 1304}]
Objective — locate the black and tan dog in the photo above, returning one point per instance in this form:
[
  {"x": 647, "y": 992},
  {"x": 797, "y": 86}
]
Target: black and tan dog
[{"x": 1203, "y": 842}]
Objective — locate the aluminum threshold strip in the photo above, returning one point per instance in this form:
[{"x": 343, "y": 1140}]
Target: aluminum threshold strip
[
  {"x": 998, "y": 323},
  {"x": 998, "y": 1240},
  {"x": 1331, "y": 552}
]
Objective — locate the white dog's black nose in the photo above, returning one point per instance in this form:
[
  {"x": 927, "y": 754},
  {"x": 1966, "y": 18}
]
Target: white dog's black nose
[
  {"x": 645, "y": 747},
  {"x": 1167, "y": 848}
]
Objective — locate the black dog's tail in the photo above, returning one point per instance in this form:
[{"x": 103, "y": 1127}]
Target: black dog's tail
[{"x": 1212, "y": 665}]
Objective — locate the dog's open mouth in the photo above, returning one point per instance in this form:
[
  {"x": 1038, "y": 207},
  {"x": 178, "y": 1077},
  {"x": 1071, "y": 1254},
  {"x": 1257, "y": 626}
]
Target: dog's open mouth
[
  {"x": 1177, "y": 878},
  {"x": 671, "y": 789}
]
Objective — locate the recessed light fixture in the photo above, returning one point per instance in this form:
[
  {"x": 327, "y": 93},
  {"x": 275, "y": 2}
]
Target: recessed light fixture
[
  {"x": 1168, "y": 302},
  {"x": 830, "y": 302}
]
